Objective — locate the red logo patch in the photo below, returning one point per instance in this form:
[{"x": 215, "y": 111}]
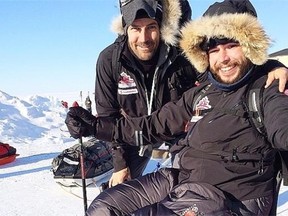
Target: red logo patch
[{"x": 286, "y": 92}]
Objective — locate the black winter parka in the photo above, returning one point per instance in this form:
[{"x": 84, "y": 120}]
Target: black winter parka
[
  {"x": 121, "y": 90},
  {"x": 213, "y": 141}
]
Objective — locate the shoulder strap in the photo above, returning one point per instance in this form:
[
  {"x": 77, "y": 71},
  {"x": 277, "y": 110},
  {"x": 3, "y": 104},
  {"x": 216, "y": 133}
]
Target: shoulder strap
[
  {"x": 116, "y": 65},
  {"x": 254, "y": 100}
]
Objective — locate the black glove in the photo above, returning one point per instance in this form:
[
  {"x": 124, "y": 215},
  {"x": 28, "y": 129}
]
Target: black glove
[{"x": 80, "y": 122}]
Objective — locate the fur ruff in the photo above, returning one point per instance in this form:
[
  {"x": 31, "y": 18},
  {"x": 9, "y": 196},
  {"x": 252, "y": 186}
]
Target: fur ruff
[
  {"x": 169, "y": 26},
  {"x": 244, "y": 28}
]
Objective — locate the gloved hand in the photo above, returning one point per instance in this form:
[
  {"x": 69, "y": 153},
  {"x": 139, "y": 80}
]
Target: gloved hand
[{"x": 80, "y": 122}]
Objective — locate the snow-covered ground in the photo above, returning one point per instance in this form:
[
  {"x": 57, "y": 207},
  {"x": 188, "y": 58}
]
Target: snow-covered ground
[{"x": 33, "y": 126}]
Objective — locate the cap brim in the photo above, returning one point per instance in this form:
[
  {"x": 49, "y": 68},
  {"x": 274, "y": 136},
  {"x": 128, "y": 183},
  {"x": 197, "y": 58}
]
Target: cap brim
[{"x": 129, "y": 11}]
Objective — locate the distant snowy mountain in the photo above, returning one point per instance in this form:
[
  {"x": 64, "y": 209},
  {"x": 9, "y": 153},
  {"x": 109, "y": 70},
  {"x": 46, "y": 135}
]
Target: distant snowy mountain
[
  {"x": 29, "y": 119},
  {"x": 35, "y": 127}
]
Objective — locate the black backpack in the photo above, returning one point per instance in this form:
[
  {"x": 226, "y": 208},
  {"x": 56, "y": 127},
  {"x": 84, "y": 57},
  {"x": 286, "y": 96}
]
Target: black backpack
[
  {"x": 254, "y": 101},
  {"x": 97, "y": 160}
]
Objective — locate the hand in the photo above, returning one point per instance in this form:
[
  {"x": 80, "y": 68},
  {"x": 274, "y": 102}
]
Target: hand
[
  {"x": 80, "y": 122},
  {"x": 278, "y": 73},
  {"x": 119, "y": 177}
]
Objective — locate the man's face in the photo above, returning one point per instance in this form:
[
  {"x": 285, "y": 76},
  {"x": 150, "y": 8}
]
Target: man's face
[
  {"x": 143, "y": 38},
  {"x": 228, "y": 63}
]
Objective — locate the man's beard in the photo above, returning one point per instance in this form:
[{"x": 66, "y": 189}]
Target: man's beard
[
  {"x": 243, "y": 67},
  {"x": 141, "y": 55}
]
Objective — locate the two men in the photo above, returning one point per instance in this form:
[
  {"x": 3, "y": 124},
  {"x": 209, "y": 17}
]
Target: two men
[{"x": 225, "y": 166}]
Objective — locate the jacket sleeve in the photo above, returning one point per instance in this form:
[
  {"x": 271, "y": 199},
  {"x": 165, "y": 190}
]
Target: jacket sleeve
[
  {"x": 106, "y": 85},
  {"x": 275, "y": 116},
  {"x": 163, "y": 125},
  {"x": 275, "y": 109},
  {"x": 119, "y": 161},
  {"x": 272, "y": 64}
]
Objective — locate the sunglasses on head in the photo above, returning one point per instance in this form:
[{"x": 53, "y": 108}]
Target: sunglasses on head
[{"x": 124, "y": 2}]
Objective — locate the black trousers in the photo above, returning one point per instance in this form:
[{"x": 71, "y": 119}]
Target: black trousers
[
  {"x": 134, "y": 161},
  {"x": 160, "y": 193},
  {"x": 128, "y": 197}
]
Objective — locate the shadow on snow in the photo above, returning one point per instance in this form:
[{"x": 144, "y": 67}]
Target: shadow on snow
[{"x": 28, "y": 160}]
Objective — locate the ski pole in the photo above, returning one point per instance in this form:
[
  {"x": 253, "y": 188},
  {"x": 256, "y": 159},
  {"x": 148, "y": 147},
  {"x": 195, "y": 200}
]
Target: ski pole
[{"x": 82, "y": 164}]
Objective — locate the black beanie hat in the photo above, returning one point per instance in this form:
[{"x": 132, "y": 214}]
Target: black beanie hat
[
  {"x": 227, "y": 6},
  {"x": 231, "y": 6}
]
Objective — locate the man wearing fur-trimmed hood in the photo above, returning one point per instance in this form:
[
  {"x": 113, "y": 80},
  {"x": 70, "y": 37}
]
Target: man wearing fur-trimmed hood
[
  {"x": 141, "y": 71},
  {"x": 198, "y": 36}
]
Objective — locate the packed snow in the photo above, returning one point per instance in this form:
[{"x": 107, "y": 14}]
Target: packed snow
[{"x": 35, "y": 127}]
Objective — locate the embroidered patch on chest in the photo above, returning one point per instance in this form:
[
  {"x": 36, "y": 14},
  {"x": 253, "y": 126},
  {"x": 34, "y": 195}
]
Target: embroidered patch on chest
[
  {"x": 126, "y": 85},
  {"x": 203, "y": 104}
]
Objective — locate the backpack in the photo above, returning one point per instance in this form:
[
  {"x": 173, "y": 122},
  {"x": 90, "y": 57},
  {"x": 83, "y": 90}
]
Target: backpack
[
  {"x": 97, "y": 161},
  {"x": 254, "y": 101}
]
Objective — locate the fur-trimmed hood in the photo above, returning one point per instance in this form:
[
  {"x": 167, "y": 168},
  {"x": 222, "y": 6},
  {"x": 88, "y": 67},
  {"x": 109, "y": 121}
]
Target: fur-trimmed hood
[
  {"x": 170, "y": 29},
  {"x": 242, "y": 27}
]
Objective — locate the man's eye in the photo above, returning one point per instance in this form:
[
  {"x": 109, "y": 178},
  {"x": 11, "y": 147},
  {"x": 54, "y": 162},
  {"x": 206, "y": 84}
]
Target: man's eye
[
  {"x": 212, "y": 51},
  {"x": 152, "y": 27},
  {"x": 134, "y": 29},
  {"x": 232, "y": 45}
]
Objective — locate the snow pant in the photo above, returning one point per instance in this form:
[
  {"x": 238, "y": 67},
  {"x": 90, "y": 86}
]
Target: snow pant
[
  {"x": 159, "y": 193},
  {"x": 128, "y": 197}
]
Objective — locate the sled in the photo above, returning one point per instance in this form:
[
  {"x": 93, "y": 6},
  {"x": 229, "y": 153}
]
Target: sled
[
  {"x": 66, "y": 167},
  {"x": 7, "y": 153},
  {"x": 77, "y": 182},
  {"x": 93, "y": 185},
  {"x": 73, "y": 186},
  {"x": 8, "y": 159}
]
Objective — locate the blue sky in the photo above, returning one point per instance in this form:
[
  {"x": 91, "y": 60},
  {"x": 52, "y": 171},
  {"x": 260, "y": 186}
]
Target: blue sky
[{"x": 51, "y": 46}]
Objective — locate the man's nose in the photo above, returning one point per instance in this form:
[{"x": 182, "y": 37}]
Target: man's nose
[
  {"x": 223, "y": 55},
  {"x": 144, "y": 36}
]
